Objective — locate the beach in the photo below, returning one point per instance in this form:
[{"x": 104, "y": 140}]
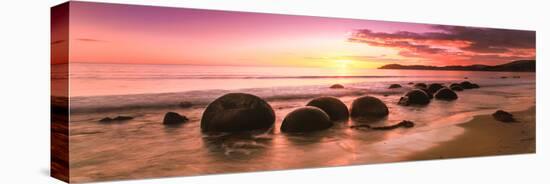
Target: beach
[
  {"x": 485, "y": 136},
  {"x": 144, "y": 147}
]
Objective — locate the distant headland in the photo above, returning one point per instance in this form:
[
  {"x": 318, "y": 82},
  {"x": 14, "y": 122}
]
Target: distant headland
[{"x": 514, "y": 66}]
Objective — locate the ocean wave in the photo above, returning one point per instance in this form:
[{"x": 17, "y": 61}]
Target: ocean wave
[{"x": 200, "y": 98}]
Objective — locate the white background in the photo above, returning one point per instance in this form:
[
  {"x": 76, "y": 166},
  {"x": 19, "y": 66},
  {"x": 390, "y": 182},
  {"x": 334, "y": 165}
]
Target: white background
[{"x": 24, "y": 88}]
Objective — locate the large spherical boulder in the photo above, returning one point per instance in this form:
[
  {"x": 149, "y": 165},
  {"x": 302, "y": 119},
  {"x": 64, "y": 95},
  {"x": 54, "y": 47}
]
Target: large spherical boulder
[
  {"x": 306, "y": 119},
  {"x": 336, "y": 109},
  {"x": 421, "y": 85},
  {"x": 368, "y": 106},
  {"x": 172, "y": 118},
  {"x": 446, "y": 94},
  {"x": 393, "y": 86},
  {"x": 434, "y": 87},
  {"x": 415, "y": 97},
  {"x": 235, "y": 112},
  {"x": 337, "y": 86}
]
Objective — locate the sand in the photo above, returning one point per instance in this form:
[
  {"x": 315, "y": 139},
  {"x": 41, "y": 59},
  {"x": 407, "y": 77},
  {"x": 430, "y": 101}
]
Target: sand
[{"x": 484, "y": 136}]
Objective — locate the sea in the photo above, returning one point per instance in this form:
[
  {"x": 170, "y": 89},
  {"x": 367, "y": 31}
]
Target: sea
[{"x": 144, "y": 147}]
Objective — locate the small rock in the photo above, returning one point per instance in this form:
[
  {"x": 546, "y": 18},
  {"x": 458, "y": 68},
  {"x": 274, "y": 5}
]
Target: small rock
[
  {"x": 107, "y": 119},
  {"x": 455, "y": 84},
  {"x": 503, "y": 116},
  {"x": 421, "y": 85},
  {"x": 185, "y": 104},
  {"x": 172, "y": 118},
  {"x": 406, "y": 124},
  {"x": 516, "y": 77},
  {"x": 411, "y": 83},
  {"x": 337, "y": 86},
  {"x": 446, "y": 94},
  {"x": 118, "y": 118},
  {"x": 468, "y": 85},
  {"x": 457, "y": 88},
  {"x": 394, "y": 86},
  {"x": 503, "y": 77}
]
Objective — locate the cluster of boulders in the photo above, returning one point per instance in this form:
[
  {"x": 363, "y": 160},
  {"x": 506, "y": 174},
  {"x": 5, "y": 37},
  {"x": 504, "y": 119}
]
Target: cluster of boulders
[
  {"x": 236, "y": 112},
  {"x": 423, "y": 93}
]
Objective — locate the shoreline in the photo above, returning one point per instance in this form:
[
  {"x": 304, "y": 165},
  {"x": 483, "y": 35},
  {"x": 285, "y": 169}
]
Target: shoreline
[{"x": 485, "y": 136}]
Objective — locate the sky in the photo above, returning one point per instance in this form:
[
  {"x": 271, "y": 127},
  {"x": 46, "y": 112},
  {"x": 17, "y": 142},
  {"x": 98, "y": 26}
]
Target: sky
[{"x": 112, "y": 33}]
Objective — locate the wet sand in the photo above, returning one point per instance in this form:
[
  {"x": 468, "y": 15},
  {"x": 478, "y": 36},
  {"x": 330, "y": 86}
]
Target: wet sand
[{"x": 484, "y": 136}]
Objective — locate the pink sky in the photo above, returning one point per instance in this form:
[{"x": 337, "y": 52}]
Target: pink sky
[{"x": 110, "y": 33}]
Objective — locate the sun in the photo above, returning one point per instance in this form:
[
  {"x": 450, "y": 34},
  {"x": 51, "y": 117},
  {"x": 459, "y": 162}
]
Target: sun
[{"x": 343, "y": 63}]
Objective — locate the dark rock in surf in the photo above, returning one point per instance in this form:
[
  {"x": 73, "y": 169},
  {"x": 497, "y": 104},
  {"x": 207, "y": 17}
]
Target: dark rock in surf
[
  {"x": 393, "y": 86},
  {"x": 430, "y": 95},
  {"x": 118, "y": 118},
  {"x": 404, "y": 124},
  {"x": 185, "y": 104},
  {"x": 457, "y": 88},
  {"x": 368, "y": 106},
  {"x": 336, "y": 109},
  {"x": 237, "y": 112},
  {"x": 172, "y": 118},
  {"x": 410, "y": 83},
  {"x": 504, "y": 77},
  {"x": 446, "y": 94},
  {"x": 306, "y": 119},
  {"x": 415, "y": 97},
  {"x": 468, "y": 85},
  {"x": 504, "y": 116},
  {"x": 516, "y": 77},
  {"x": 455, "y": 84},
  {"x": 337, "y": 86},
  {"x": 421, "y": 85},
  {"x": 434, "y": 87}
]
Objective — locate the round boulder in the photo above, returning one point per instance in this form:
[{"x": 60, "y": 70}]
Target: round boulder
[
  {"x": 415, "y": 97},
  {"x": 337, "y": 86},
  {"x": 306, "y": 119},
  {"x": 368, "y": 106},
  {"x": 172, "y": 118},
  {"x": 393, "y": 86},
  {"x": 336, "y": 109},
  {"x": 446, "y": 94},
  {"x": 421, "y": 85},
  {"x": 236, "y": 112},
  {"x": 434, "y": 87}
]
